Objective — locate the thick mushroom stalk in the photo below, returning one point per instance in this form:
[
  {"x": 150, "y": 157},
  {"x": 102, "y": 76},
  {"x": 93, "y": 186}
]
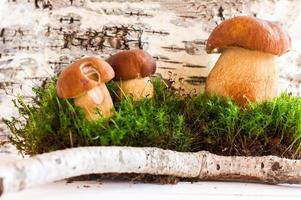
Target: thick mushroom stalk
[
  {"x": 84, "y": 81},
  {"x": 244, "y": 75},
  {"x": 132, "y": 70},
  {"x": 137, "y": 88},
  {"x": 96, "y": 100},
  {"x": 247, "y": 68}
]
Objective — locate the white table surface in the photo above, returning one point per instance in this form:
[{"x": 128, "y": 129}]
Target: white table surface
[{"x": 124, "y": 190}]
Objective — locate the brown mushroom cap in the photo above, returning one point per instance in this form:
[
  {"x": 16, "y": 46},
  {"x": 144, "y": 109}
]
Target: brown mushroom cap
[
  {"x": 132, "y": 64},
  {"x": 249, "y": 33},
  {"x": 83, "y": 75}
]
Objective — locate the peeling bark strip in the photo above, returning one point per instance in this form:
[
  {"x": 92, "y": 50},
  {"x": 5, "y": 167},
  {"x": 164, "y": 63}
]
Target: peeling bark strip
[{"x": 68, "y": 163}]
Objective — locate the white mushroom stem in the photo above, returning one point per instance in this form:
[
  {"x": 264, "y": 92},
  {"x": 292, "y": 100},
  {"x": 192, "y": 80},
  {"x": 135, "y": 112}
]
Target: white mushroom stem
[
  {"x": 136, "y": 88},
  {"x": 244, "y": 75},
  {"x": 97, "y": 98},
  {"x": 67, "y": 163}
]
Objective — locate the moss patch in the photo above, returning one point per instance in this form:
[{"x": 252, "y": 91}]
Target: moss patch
[{"x": 169, "y": 121}]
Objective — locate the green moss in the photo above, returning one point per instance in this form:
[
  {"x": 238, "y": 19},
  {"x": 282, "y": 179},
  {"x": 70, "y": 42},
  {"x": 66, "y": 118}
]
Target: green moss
[
  {"x": 50, "y": 123},
  {"x": 168, "y": 121},
  {"x": 271, "y": 127}
]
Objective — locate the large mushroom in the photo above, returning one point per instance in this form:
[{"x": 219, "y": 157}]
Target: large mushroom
[
  {"x": 132, "y": 70},
  {"x": 84, "y": 81},
  {"x": 247, "y": 68}
]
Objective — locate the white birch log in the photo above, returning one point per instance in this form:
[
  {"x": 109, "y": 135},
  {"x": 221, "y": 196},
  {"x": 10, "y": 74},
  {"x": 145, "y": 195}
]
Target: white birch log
[{"x": 68, "y": 163}]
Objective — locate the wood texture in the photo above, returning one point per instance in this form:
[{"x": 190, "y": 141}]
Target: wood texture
[{"x": 57, "y": 165}]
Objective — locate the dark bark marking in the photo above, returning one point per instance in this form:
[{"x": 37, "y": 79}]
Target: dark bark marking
[
  {"x": 200, "y": 42},
  {"x": 262, "y": 165},
  {"x": 39, "y": 78},
  {"x": 139, "y": 14},
  {"x": 276, "y": 166},
  {"x": 43, "y": 3},
  {"x": 218, "y": 167},
  {"x": 170, "y": 68},
  {"x": 171, "y": 61},
  {"x": 1, "y": 186},
  {"x": 161, "y": 57},
  {"x": 58, "y": 161},
  {"x": 188, "y": 17},
  {"x": 6, "y": 84},
  {"x": 196, "y": 80},
  {"x": 194, "y": 66},
  {"x": 118, "y": 37},
  {"x": 221, "y": 13},
  {"x": 158, "y": 32},
  {"x": 2, "y": 32},
  {"x": 173, "y": 48},
  {"x": 71, "y": 20}
]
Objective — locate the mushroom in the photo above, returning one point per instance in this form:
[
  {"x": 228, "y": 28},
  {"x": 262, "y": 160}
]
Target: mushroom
[
  {"x": 84, "y": 81},
  {"x": 132, "y": 70},
  {"x": 247, "y": 68}
]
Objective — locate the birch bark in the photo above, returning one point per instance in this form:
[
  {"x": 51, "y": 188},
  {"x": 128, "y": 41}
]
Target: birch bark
[{"x": 58, "y": 165}]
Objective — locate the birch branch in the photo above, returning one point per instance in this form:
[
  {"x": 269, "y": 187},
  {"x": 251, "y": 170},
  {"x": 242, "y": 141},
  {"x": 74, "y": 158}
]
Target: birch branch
[{"x": 57, "y": 165}]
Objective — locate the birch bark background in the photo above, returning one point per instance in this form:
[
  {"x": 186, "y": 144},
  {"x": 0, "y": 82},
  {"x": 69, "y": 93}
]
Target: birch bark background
[{"x": 40, "y": 37}]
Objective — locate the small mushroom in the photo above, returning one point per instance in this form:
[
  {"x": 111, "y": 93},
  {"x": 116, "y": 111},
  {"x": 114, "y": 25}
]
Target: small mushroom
[
  {"x": 84, "y": 81},
  {"x": 247, "y": 68},
  {"x": 132, "y": 70}
]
